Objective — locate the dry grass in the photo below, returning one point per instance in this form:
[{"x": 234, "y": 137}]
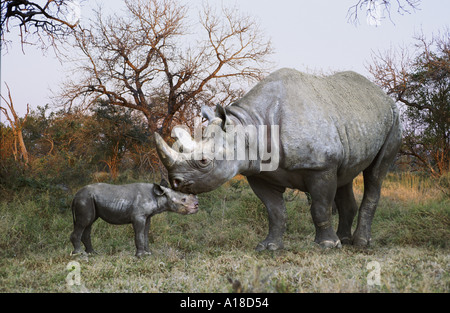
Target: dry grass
[
  {"x": 404, "y": 187},
  {"x": 212, "y": 251}
]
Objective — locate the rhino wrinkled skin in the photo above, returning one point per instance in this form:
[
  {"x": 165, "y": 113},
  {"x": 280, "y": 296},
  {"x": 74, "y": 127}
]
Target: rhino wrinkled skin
[
  {"x": 330, "y": 129},
  {"x": 124, "y": 204}
]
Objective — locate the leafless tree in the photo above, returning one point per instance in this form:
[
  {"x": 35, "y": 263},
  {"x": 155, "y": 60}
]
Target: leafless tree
[
  {"x": 19, "y": 149},
  {"x": 386, "y": 6},
  {"x": 46, "y": 20},
  {"x": 153, "y": 61},
  {"x": 419, "y": 79}
]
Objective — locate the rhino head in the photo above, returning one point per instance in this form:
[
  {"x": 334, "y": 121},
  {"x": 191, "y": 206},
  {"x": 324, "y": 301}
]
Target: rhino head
[
  {"x": 195, "y": 166},
  {"x": 224, "y": 149}
]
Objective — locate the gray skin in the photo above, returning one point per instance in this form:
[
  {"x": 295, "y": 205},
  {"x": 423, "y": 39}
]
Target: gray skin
[
  {"x": 125, "y": 204},
  {"x": 331, "y": 129}
]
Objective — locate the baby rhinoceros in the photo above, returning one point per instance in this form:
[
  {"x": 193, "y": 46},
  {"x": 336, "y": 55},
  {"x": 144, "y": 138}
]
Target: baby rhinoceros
[{"x": 125, "y": 204}]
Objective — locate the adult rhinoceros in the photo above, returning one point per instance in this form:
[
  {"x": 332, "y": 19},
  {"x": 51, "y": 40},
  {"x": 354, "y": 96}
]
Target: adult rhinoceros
[{"x": 330, "y": 129}]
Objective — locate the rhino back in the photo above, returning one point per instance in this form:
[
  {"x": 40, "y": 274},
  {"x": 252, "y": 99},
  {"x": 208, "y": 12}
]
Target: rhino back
[{"x": 340, "y": 120}]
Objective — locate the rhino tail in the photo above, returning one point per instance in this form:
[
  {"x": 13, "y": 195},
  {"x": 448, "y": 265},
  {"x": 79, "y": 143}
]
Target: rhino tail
[{"x": 72, "y": 206}]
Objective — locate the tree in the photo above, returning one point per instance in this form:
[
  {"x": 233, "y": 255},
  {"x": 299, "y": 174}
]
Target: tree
[
  {"x": 19, "y": 149},
  {"x": 420, "y": 81},
  {"x": 68, "y": 147},
  {"x": 375, "y": 9},
  {"x": 51, "y": 19},
  {"x": 152, "y": 61},
  {"x": 114, "y": 132}
]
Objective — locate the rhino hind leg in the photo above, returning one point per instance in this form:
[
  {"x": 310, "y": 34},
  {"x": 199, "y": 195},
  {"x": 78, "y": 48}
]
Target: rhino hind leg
[
  {"x": 372, "y": 190},
  {"x": 272, "y": 197},
  {"x": 75, "y": 238},
  {"x": 86, "y": 239},
  {"x": 347, "y": 209},
  {"x": 373, "y": 178},
  {"x": 322, "y": 188},
  {"x": 84, "y": 216}
]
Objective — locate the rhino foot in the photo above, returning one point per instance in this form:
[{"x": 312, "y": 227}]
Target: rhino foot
[
  {"x": 143, "y": 253},
  {"x": 346, "y": 240},
  {"x": 77, "y": 253},
  {"x": 268, "y": 245},
  {"x": 326, "y": 238},
  {"x": 361, "y": 242},
  {"x": 329, "y": 244}
]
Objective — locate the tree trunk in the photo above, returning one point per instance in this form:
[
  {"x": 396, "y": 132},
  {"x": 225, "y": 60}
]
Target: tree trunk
[
  {"x": 23, "y": 150},
  {"x": 16, "y": 126}
]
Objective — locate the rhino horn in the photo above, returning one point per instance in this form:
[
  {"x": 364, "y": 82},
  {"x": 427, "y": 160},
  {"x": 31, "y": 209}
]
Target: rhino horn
[{"x": 167, "y": 155}]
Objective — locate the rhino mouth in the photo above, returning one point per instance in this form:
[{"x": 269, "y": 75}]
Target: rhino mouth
[
  {"x": 190, "y": 209},
  {"x": 184, "y": 186},
  {"x": 189, "y": 188}
]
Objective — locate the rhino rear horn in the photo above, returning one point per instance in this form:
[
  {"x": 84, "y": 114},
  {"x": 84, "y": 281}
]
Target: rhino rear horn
[
  {"x": 167, "y": 155},
  {"x": 221, "y": 113}
]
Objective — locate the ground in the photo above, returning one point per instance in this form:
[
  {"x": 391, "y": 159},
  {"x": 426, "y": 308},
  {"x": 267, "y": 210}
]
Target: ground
[{"x": 213, "y": 250}]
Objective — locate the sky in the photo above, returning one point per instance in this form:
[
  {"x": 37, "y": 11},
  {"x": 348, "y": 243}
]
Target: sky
[{"x": 312, "y": 36}]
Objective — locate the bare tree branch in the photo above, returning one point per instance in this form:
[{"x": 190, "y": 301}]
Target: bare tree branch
[
  {"x": 386, "y": 7},
  {"x": 47, "y": 22},
  {"x": 150, "y": 61},
  {"x": 418, "y": 77}
]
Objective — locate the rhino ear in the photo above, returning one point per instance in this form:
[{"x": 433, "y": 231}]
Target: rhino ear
[
  {"x": 208, "y": 113},
  {"x": 158, "y": 190},
  {"x": 222, "y": 114},
  {"x": 164, "y": 183}
]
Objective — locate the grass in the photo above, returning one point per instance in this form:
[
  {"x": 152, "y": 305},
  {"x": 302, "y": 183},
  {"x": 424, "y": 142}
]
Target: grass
[{"x": 213, "y": 250}]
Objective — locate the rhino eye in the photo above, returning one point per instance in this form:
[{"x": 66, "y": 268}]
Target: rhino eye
[
  {"x": 204, "y": 161},
  {"x": 183, "y": 200},
  {"x": 202, "y": 164}
]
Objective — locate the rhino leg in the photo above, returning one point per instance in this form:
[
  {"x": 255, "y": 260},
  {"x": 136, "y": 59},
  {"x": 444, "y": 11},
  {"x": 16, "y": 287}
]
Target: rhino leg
[
  {"x": 272, "y": 197},
  {"x": 75, "y": 238},
  {"x": 146, "y": 230},
  {"x": 83, "y": 215},
  {"x": 373, "y": 178},
  {"x": 86, "y": 239},
  {"x": 347, "y": 208},
  {"x": 139, "y": 235},
  {"x": 372, "y": 189},
  {"x": 322, "y": 188}
]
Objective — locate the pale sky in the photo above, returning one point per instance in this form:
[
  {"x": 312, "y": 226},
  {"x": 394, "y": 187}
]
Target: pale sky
[{"x": 306, "y": 35}]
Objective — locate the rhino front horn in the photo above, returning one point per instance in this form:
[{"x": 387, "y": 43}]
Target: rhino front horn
[{"x": 167, "y": 155}]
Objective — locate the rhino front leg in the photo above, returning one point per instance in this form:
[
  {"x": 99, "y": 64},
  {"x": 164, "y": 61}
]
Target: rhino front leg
[
  {"x": 146, "y": 230},
  {"x": 272, "y": 197}
]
